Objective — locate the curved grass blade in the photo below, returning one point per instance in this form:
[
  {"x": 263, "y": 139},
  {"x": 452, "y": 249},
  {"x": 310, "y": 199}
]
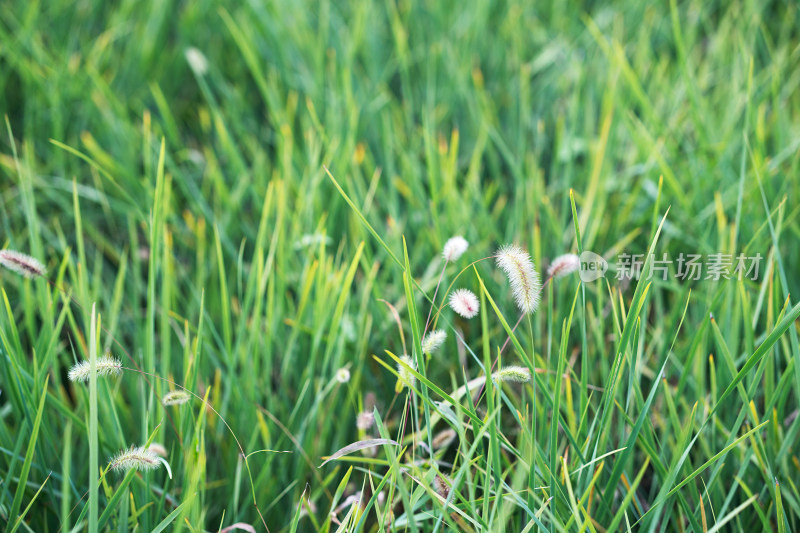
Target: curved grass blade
[{"x": 360, "y": 445}]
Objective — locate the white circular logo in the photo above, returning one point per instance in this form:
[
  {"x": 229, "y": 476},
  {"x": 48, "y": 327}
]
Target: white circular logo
[{"x": 593, "y": 266}]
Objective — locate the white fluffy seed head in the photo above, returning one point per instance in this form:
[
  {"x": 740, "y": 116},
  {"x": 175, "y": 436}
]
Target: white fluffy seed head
[
  {"x": 433, "y": 340},
  {"x": 22, "y": 264},
  {"x": 106, "y": 366},
  {"x": 515, "y": 374},
  {"x": 522, "y": 276},
  {"x": 564, "y": 265},
  {"x": 158, "y": 449},
  {"x": 313, "y": 240},
  {"x": 454, "y": 248},
  {"x": 407, "y": 379},
  {"x": 343, "y": 375},
  {"x": 197, "y": 60},
  {"x": 175, "y": 397},
  {"x": 364, "y": 420},
  {"x": 465, "y": 303},
  {"x": 137, "y": 458}
]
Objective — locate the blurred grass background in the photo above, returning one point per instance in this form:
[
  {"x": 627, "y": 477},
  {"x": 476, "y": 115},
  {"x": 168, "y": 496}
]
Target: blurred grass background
[{"x": 234, "y": 265}]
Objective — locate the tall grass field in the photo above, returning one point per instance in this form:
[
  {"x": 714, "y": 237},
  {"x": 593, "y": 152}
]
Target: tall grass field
[{"x": 401, "y": 265}]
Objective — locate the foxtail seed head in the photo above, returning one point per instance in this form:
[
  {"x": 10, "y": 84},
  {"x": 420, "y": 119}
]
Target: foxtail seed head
[
  {"x": 465, "y": 303},
  {"x": 22, "y": 264},
  {"x": 454, "y": 248},
  {"x": 522, "y": 276},
  {"x": 197, "y": 60},
  {"x": 564, "y": 265},
  {"x": 513, "y": 374},
  {"x": 158, "y": 449},
  {"x": 137, "y": 458},
  {"x": 407, "y": 378},
  {"x": 433, "y": 340},
  {"x": 441, "y": 486},
  {"x": 106, "y": 366},
  {"x": 364, "y": 420},
  {"x": 343, "y": 375},
  {"x": 175, "y": 397}
]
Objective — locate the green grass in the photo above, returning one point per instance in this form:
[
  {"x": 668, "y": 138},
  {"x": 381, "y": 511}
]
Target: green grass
[{"x": 248, "y": 227}]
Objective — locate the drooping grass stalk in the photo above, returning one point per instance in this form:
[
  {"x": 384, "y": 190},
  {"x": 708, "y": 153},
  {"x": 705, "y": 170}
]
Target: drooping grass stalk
[
  {"x": 441, "y": 307},
  {"x": 433, "y": 300},
  {"x": 454, "y": 248}
]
